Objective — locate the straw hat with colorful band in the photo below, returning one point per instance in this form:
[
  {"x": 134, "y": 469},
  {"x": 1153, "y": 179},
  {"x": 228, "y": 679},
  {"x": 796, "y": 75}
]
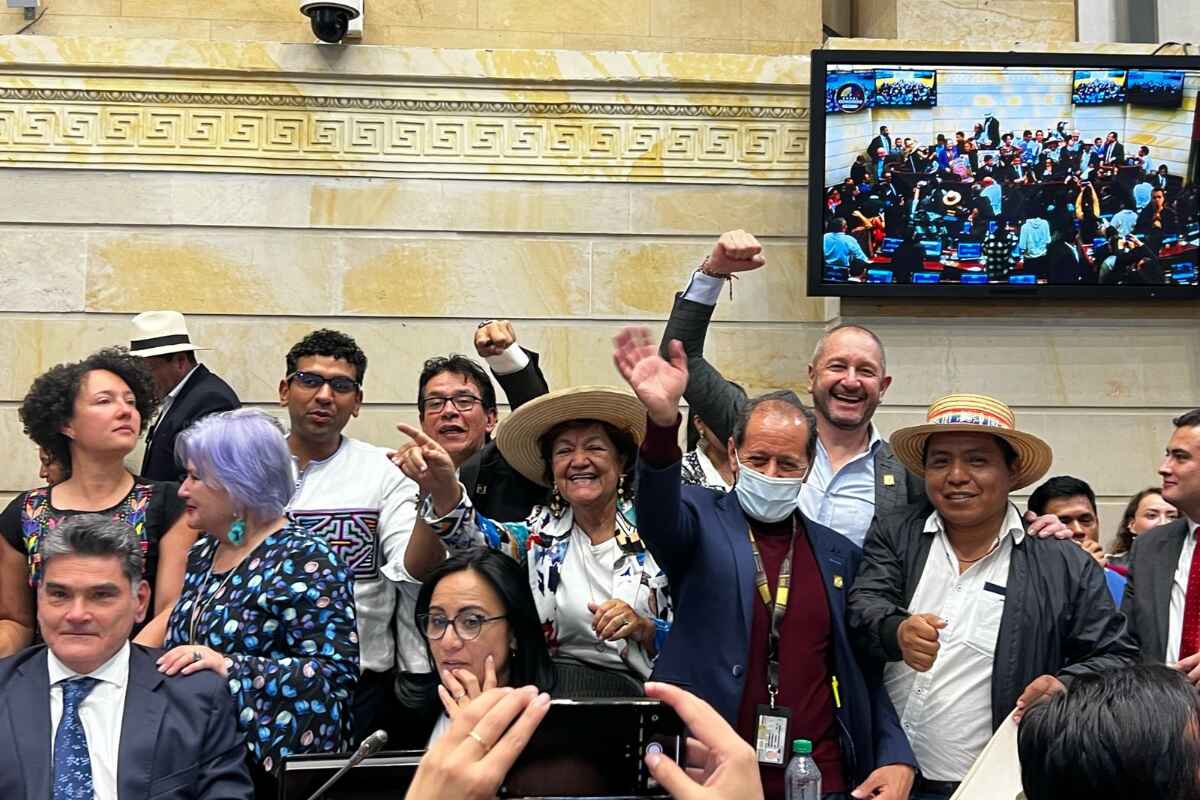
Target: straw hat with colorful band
[
  {"x": 974, "y": 413},
  {"x": 519, "y": 434},
  {"x": 159, "y": 333}
]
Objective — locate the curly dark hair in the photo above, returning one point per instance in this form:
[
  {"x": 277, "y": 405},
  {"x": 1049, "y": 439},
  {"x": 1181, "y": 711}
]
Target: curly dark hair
[
  {"x": 50, "y": 402},
  {"x": 330, "y": 343}
]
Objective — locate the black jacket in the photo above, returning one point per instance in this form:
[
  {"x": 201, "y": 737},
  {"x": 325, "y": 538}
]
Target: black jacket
[
  {"x": 717, "y": 401},
  {"x": 1152, "y": 561},
  {"x": 1059, "y": 617},
  {"x": 203, "y": 394},
  {"x": 497, "y": 490}
]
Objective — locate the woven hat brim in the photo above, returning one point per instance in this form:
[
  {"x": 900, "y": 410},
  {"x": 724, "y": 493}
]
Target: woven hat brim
[
  {"x": 519, "y": 434},
  {"x": 1034, "y": 456}
]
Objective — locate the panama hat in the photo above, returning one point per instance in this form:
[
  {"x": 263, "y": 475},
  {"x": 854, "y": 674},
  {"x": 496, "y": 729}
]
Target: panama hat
[
  {"x": 519, "y": 434},
  {"x": 951, "y": 198},
  {"x": 157, "y": 333},
  {"x": 973, "y": 413}
]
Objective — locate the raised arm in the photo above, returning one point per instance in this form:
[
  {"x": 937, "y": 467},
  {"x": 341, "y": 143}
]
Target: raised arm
[
  {"x": 516, "y": 369},
  {"x": 428, "y": 464},
  {"x": 713, "y": 398}
]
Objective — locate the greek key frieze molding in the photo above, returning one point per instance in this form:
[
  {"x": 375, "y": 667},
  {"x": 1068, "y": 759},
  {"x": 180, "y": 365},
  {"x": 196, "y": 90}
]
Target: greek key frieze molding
[{"x": 388, "y": 136}]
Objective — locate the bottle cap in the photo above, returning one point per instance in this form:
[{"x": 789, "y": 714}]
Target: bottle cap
[{"x": 802, "y": 747}]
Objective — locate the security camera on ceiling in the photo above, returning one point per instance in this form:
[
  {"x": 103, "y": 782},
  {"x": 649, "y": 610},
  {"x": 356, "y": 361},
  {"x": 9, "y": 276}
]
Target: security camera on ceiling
[{"x": 331, "y": 18}]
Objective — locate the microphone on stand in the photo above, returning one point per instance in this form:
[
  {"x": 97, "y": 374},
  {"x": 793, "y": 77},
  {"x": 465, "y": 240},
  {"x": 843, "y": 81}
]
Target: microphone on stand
[{"x": 369, "y": 747}]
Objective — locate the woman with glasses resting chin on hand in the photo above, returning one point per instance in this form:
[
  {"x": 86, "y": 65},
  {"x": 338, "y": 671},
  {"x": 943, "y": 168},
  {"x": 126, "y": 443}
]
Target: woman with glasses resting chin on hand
[
  {"x": 481, "y": 631},
  {"x": 601, "y": 598}
]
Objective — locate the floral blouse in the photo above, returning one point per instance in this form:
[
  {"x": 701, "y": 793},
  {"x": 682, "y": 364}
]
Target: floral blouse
[
  {"x": 284, "y": 620},
  {"x": 541, "y": 542}
]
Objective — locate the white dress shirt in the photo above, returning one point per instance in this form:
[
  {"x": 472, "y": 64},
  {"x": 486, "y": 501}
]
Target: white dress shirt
[
  {"x": 947, "y": 711},
  {"x": 1183, "y": 571},
  {"x": 167, "y": 401},
  {"x": 100, "y": 713}
]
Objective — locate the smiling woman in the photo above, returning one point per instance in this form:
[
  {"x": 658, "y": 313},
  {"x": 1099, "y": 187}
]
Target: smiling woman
[
  {"x": 600, "y": 596},
  {"x": 89, "y": 414}
]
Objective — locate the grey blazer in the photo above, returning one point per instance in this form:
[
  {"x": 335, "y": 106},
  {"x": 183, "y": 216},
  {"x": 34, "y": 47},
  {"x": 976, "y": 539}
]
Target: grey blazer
[
  {"x": 1152, "y": 562},
  {"x": 717, "y": 401}
]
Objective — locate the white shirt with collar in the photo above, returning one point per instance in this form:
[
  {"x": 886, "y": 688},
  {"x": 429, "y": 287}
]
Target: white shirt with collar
[
  {"x": 169, "y": 400},
  {"x": 947, "y": 711},
  {"x": 841, "y": 500},
  {"x": 1183, "y": 571},
  {"x": 100, "y": 713}
]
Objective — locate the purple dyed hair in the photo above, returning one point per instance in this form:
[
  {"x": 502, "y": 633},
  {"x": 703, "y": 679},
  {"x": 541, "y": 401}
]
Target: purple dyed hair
[{"x": 245, "y": 453}]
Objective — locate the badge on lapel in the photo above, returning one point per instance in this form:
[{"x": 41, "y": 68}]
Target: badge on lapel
[
  {"x": 889, "y": 479},
  {"x": 838, "y": 583}
]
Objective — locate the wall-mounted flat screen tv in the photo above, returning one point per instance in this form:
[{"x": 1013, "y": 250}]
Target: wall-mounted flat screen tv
[
  {"x": 994, "y": 179},
  {"x": 1154, "y": 87},
  {"x": 906, "y": 88},
  {"x": 1098, "y": 87},
  {"x": 849, "y": 92}
]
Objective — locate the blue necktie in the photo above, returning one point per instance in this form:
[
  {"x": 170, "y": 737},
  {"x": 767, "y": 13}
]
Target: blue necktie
[{"x": 72, "y": 764}]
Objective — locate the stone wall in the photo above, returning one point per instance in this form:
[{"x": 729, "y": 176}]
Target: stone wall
[{"x": 714, "y": 26}]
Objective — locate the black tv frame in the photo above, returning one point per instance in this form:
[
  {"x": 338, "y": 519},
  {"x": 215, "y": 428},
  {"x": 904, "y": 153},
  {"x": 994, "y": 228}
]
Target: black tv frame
[{"x": 915, "y": 59}]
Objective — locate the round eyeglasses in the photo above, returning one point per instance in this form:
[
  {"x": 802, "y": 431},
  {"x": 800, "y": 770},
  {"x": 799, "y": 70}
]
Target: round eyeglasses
[{"x": 467, "y": 624}]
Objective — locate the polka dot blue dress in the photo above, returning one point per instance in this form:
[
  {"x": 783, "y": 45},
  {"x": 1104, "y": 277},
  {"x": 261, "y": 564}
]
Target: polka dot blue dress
[{"x": 284, "y": 620}]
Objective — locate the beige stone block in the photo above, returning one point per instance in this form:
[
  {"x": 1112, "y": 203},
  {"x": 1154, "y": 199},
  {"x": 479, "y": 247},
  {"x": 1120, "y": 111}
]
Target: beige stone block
[
  {"x": 567, "y": 16},
  {"x": 527, "y": 207},
  {"x": 769, "y": 47},
  {"x": 1046, "y": 20},
  {"x": 230, "y": 273},
  {"x": 123, "y": 27},
  {"x": 178, "y": 9},
  {"x": 19, "y": 467},
  {"x": 68, "y": 196},
  {"x": 711, "y": 210},
  {"x": 298, "y": 31},
  {"x": 875, "y": 18},
  {"x": 42, "y": 269},
  {"x": 697, "y": 19},
  {"x": 462, "y": 14},
  {"x": 465, "y": 38},
  {"x": 466, "y": 277},
  {"x": 639, "y": 279},
  {"x": 90, "y": 8},
  {"x": 249, "y": 10},
  {"x": 1038, "y": 364},
  {"x": 239, "y": 201},
  {"x": 782, "y": 20},
  {"x": 614, "y": 41},
  {"x": 43, "y": 341},
  {"x": 937, "y": 19}
]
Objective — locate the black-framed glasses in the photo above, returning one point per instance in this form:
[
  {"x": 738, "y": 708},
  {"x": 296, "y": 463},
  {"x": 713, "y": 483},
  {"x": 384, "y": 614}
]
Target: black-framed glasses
[
  {"x": 462, "y": 403},
  {"x": 314, "y": 381},
  {"x": 467, "y": 624}
]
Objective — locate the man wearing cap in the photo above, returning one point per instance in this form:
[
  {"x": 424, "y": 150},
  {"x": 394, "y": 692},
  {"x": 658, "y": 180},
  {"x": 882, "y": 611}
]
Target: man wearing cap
[
  {"x": 760, "y": 590},
  {"x": 1164, "y": 611},
  {"x": 972, "y": 616},
  {"x": 186, "y": 389}
]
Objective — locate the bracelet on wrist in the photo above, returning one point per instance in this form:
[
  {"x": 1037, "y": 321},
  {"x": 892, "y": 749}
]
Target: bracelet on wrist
[{"x": 724, "y": 276}]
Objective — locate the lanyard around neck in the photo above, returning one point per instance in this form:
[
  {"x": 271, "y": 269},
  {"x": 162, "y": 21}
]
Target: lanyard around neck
[{"x": 776, "y": 609}]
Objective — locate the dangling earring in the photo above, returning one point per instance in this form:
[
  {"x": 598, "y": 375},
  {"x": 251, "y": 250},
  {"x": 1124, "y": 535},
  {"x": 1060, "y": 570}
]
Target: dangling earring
[
  {"x": 556, "y": 503},
  {"x": 237, "y": 532},
  {"x": 621, "y": 490}
]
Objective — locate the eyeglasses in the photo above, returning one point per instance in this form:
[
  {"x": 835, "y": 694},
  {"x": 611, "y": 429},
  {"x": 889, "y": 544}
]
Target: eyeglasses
[
  {"x": 314, "y": 381},
  {"x": 462, "y": 403},
  {"x": 467, "y": 624}
]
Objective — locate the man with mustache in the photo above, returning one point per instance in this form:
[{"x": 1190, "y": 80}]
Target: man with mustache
[
  {"x": 457, "y": 403},
  {"x": 348, "y": 492}
]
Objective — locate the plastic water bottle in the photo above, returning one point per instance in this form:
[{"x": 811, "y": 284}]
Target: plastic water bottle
[{"x": 802, "y": 779}]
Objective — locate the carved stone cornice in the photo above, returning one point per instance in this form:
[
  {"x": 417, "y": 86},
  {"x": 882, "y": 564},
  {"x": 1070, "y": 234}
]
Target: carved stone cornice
[{"x": 602, "y": 127}]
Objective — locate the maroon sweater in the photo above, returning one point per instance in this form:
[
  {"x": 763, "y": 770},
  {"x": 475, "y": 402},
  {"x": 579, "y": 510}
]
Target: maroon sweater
[{"x": 805, "y": 645}]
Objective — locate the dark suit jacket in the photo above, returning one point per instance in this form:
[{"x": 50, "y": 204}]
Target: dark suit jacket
[
  {"x": 179, "y": 738},
  {"x": 717, "y": 401},
  {"x": 203, "y": 394},
  {"x": 1152, "y": 561},
  {"x": 497, "y": 490},
  {"x": 699, "y": 538}
]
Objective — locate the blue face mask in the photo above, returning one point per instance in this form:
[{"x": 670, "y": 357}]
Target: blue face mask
[{"x": 764, "y": 498}]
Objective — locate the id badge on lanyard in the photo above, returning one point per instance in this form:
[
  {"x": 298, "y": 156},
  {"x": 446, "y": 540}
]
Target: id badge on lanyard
[{"x": 772, "y": 722}]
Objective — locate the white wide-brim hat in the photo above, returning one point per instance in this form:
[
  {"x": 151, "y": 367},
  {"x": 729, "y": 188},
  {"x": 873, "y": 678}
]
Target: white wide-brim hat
[
  {"x": 974, "y": 413},
  {"x": 158, "y": 333},
  {"x": 519, "y": 435}
]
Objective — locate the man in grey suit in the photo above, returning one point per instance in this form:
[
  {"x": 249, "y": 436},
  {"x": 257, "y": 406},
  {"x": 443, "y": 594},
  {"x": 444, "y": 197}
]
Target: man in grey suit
[
  {"x": 1164, "y": 608},
  {"x": 854, "y": 475},
  {"x": 88, "y": 714}
]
